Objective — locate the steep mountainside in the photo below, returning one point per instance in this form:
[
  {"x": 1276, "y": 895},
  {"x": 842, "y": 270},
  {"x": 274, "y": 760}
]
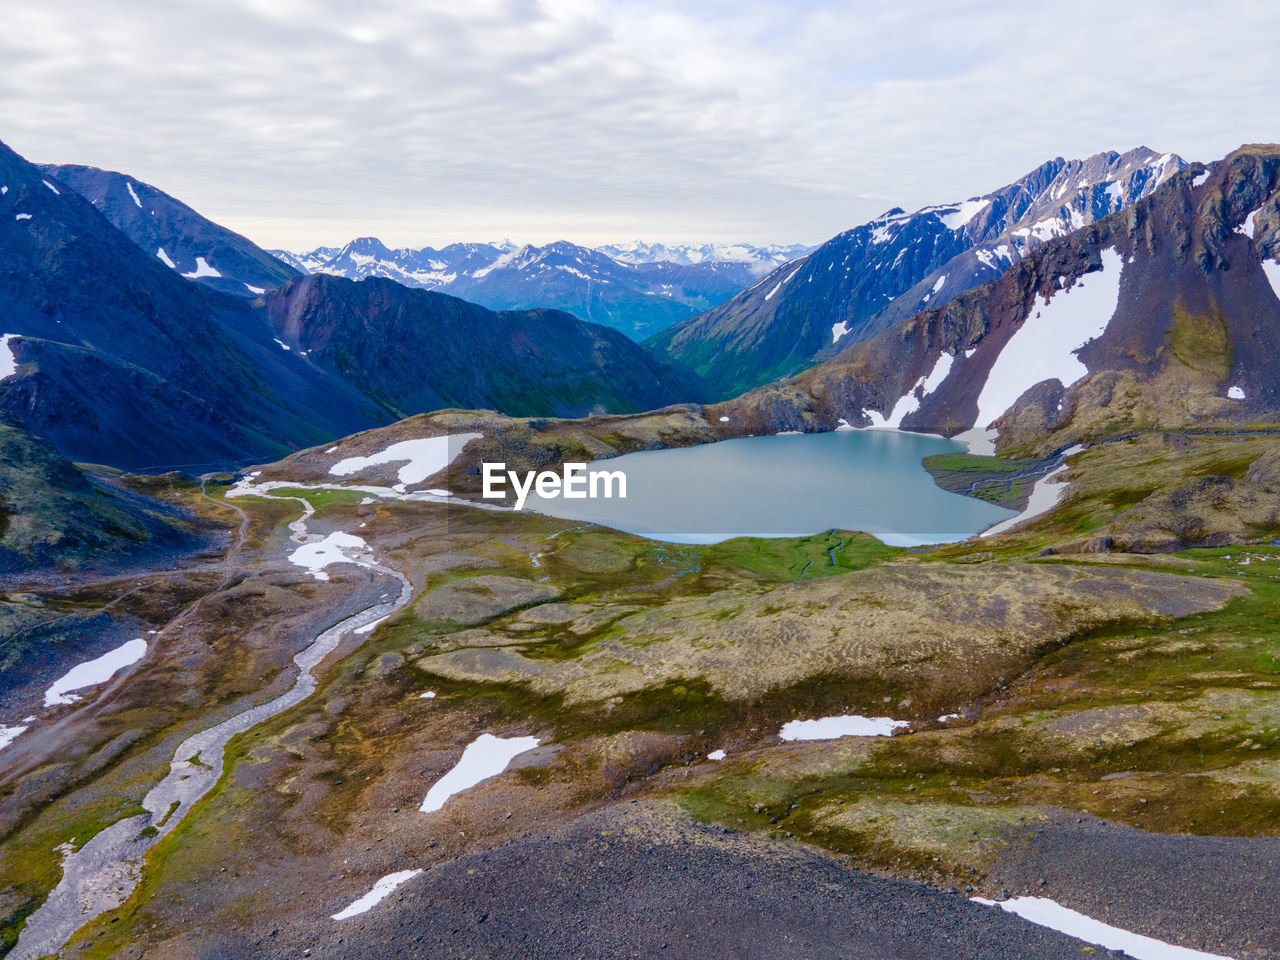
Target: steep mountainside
[
  {"x": 417, "y": 350},
  {"x": 1164, "y": 314},
  {"x": 175, "y": 234},
  {"x": 115, "y": 358},
  {"x": 53, "y": 514},
  {"x": 864, "y": 280},
  {"x": 639, "y": 298}
]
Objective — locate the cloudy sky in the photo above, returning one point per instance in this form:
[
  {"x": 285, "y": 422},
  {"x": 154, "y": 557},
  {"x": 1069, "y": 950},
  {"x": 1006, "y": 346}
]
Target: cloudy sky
[{"x": 301, "y": 122}]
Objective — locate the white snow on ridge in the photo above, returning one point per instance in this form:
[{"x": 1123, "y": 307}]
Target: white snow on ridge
[
  {"x": 1049, "y": 913},
  {"x": 833, "y": 728},
  {"x": 838, "y": 330},
  {"x": 426, "y": 456},
  {"x": 8, "y": 362},
  {"x": 9, "y": 734},
  {"x": 1044, "y": 347},
  {"x": 1044, "y": 496},
  {"x": 202, "y": 270},
  {"x": 381, "y": 890},
  {"x": 332, "y": 549},
  {"x": 991, "y": 258},
  {"x": 129, "y": 187},
  {"x": 93, "y": 672},
  {"x": 164, "y": 258},
  {"x": 485, "y": 757},
  {"x": 965, "y": 212},
  {"x": 253, "y": 289}
]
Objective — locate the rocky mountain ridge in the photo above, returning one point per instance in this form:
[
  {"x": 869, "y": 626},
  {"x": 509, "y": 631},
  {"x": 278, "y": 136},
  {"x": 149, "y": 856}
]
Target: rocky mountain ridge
[
  {"x": 874, "y": 275},
  {"x": 1164, "y": 314},
  {"x": 176, "y": 235}
]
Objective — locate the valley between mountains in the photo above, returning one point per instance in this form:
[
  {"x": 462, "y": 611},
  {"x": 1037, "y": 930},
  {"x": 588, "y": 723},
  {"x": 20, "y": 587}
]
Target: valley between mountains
[{"x": 278, "y": 681}]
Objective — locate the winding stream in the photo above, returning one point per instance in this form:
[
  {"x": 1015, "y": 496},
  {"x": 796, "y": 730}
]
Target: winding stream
[{"x": 102, "y": 874}]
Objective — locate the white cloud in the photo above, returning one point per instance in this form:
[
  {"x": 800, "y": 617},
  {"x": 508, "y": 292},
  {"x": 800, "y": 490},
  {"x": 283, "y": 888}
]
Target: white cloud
[{"x": 301, "y": 122}]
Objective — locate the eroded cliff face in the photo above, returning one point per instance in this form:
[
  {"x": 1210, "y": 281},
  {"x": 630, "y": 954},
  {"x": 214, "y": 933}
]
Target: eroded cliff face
[{"x": 1161, "y": 315}]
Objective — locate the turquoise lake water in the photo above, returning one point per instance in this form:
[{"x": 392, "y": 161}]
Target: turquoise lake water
[{"x": 868, "y": 480}]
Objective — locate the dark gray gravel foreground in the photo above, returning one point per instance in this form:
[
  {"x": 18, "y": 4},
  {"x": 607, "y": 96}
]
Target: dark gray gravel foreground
[
  {"x": 633, "y": 881},
  {"x": 1216, "y": 894}
]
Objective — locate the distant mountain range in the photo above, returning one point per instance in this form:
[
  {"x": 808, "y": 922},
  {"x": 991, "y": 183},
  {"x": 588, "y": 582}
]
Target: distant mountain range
[
  {"x": 867, "y": 278},
  {"x": 1162, "y": 315},
  {"x": 761, "y": 259},
  {"x": 638, "y": 289},
  {"x": 114, "y": 356}
]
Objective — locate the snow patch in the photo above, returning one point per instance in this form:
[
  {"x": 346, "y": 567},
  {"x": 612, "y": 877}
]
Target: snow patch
[
  {"x": 381, "y": 890},
  {"x": 129, "y": 187},
  {"x": 938, "y": 286},
  {"x": 838, "y": 330},
  {"x": 716, "y": 755},
  {"x": 1272, "y": 270},
  {"x": 56, "y": 191},
  {"x": 332, "y": 549},
  {"x": 93, "y": 672},
  {"x": 1235, "y": 393},
  {"x": 1200, "y": 178},
  {"x": 832, "y": 728},
  {"x": 425, "y": 456},
  {"x": 429, "y": 695},
  {"x": 485, "y": 757},
  {"x": 370, "y": 627},
  {"x": 911, "y": 401},
  {"x": 164, "y": 258},
  {"x": 23, "y": 216},
  {"x": 282, "y": 344},
  {"x": 202, "y": 270},
  {"x": 8, "y": 362},
  {"x": 981, "y": 442},
  {"x": 964, "y": 213},
  {"x": 1044, "y": 347},
  {"x": 253, "y": 289},
  {"x": 9, "y": 734},
  {"x": 724, "y": 419},
  {"x": 1044, "y": 496},
  {"x": 1051, "y": 914}
]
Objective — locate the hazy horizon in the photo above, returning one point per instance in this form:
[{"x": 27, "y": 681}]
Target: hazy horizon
[{"x": 304, "y": 124}]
